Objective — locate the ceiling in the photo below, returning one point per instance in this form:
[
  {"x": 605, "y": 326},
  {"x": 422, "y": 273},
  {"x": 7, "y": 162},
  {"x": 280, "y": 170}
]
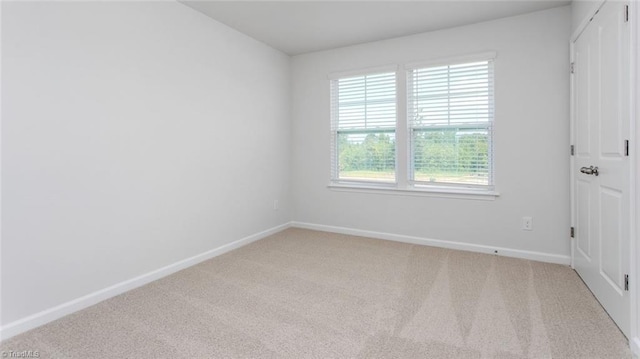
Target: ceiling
[{"x": 297, "y": 27}]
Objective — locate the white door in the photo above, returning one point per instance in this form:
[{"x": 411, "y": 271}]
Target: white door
[{"x": 601, "y": 165}]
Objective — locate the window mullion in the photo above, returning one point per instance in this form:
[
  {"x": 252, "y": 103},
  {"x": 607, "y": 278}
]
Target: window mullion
[
  {"x": 402, "y": 133},
  {"x": 449, "y": 95}
]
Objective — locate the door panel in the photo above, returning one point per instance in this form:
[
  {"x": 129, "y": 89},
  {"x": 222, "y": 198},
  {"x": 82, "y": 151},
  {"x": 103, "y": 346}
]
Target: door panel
[
  {"x": 583, "y": 242},
  {"x": 610, "y": 97},
  {"x": 601, "y": 203},
  {"x": 583, "y": 234},
  {"x": 582, "y": 108},
  {"x": 610, "y": 218}
]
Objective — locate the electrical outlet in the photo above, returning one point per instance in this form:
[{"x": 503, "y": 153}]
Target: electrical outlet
[
  {"x": 527, "y": 224},
  {"x": 276, "y": 205}
]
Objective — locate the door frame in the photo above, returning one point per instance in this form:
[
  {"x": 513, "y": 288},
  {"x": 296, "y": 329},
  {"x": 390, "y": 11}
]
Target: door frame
[
  {"x": 634, "y": 340},
  {"x": 634, "y": 119}
]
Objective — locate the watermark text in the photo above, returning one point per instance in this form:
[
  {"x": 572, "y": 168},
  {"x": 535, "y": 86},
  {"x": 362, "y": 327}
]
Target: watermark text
[{"x": 21, "y": 354}]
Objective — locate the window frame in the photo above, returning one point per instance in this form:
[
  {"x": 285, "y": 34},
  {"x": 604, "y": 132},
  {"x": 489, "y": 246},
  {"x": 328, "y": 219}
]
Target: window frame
[
  {"x": 335, "y": 179},
  {"x": 488, "y": 126},
  {"x": 403, "y": 152}
]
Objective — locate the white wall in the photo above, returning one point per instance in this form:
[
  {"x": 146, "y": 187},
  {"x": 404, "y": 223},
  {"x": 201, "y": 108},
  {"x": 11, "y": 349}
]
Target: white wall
[
  {"x": 531, "y": 138},
  {"x": 134, "y": 135},
  {"x": 581, "y": 11}
]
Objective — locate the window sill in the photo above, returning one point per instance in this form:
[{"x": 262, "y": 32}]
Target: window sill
[{"x": 456, "y": 193}]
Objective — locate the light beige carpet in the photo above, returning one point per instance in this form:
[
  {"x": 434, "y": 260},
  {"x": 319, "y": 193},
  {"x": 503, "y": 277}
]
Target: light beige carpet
[{"x": 307, "y": 294}]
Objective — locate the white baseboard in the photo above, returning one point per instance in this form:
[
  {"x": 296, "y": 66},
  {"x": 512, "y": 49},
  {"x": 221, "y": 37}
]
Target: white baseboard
[
  {"x": 515, "y": 253},
  {"x": 22, "y": 325},
  {"x": 635, "y": 347}
]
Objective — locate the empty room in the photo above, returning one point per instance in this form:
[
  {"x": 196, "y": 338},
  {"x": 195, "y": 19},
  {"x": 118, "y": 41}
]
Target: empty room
[{"x": 319, "y": 179}]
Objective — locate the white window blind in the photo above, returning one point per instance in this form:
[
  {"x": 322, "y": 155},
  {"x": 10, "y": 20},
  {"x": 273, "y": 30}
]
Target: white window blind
[
  {"x": 450, "y": 116},
  {"x": 363, "y": 112}
]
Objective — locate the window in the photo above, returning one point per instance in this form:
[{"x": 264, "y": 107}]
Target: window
[
  {"x": 450, "y": 117},
  {"x": 364, "y": 128},
  {"x": 445, "y": 142}
]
